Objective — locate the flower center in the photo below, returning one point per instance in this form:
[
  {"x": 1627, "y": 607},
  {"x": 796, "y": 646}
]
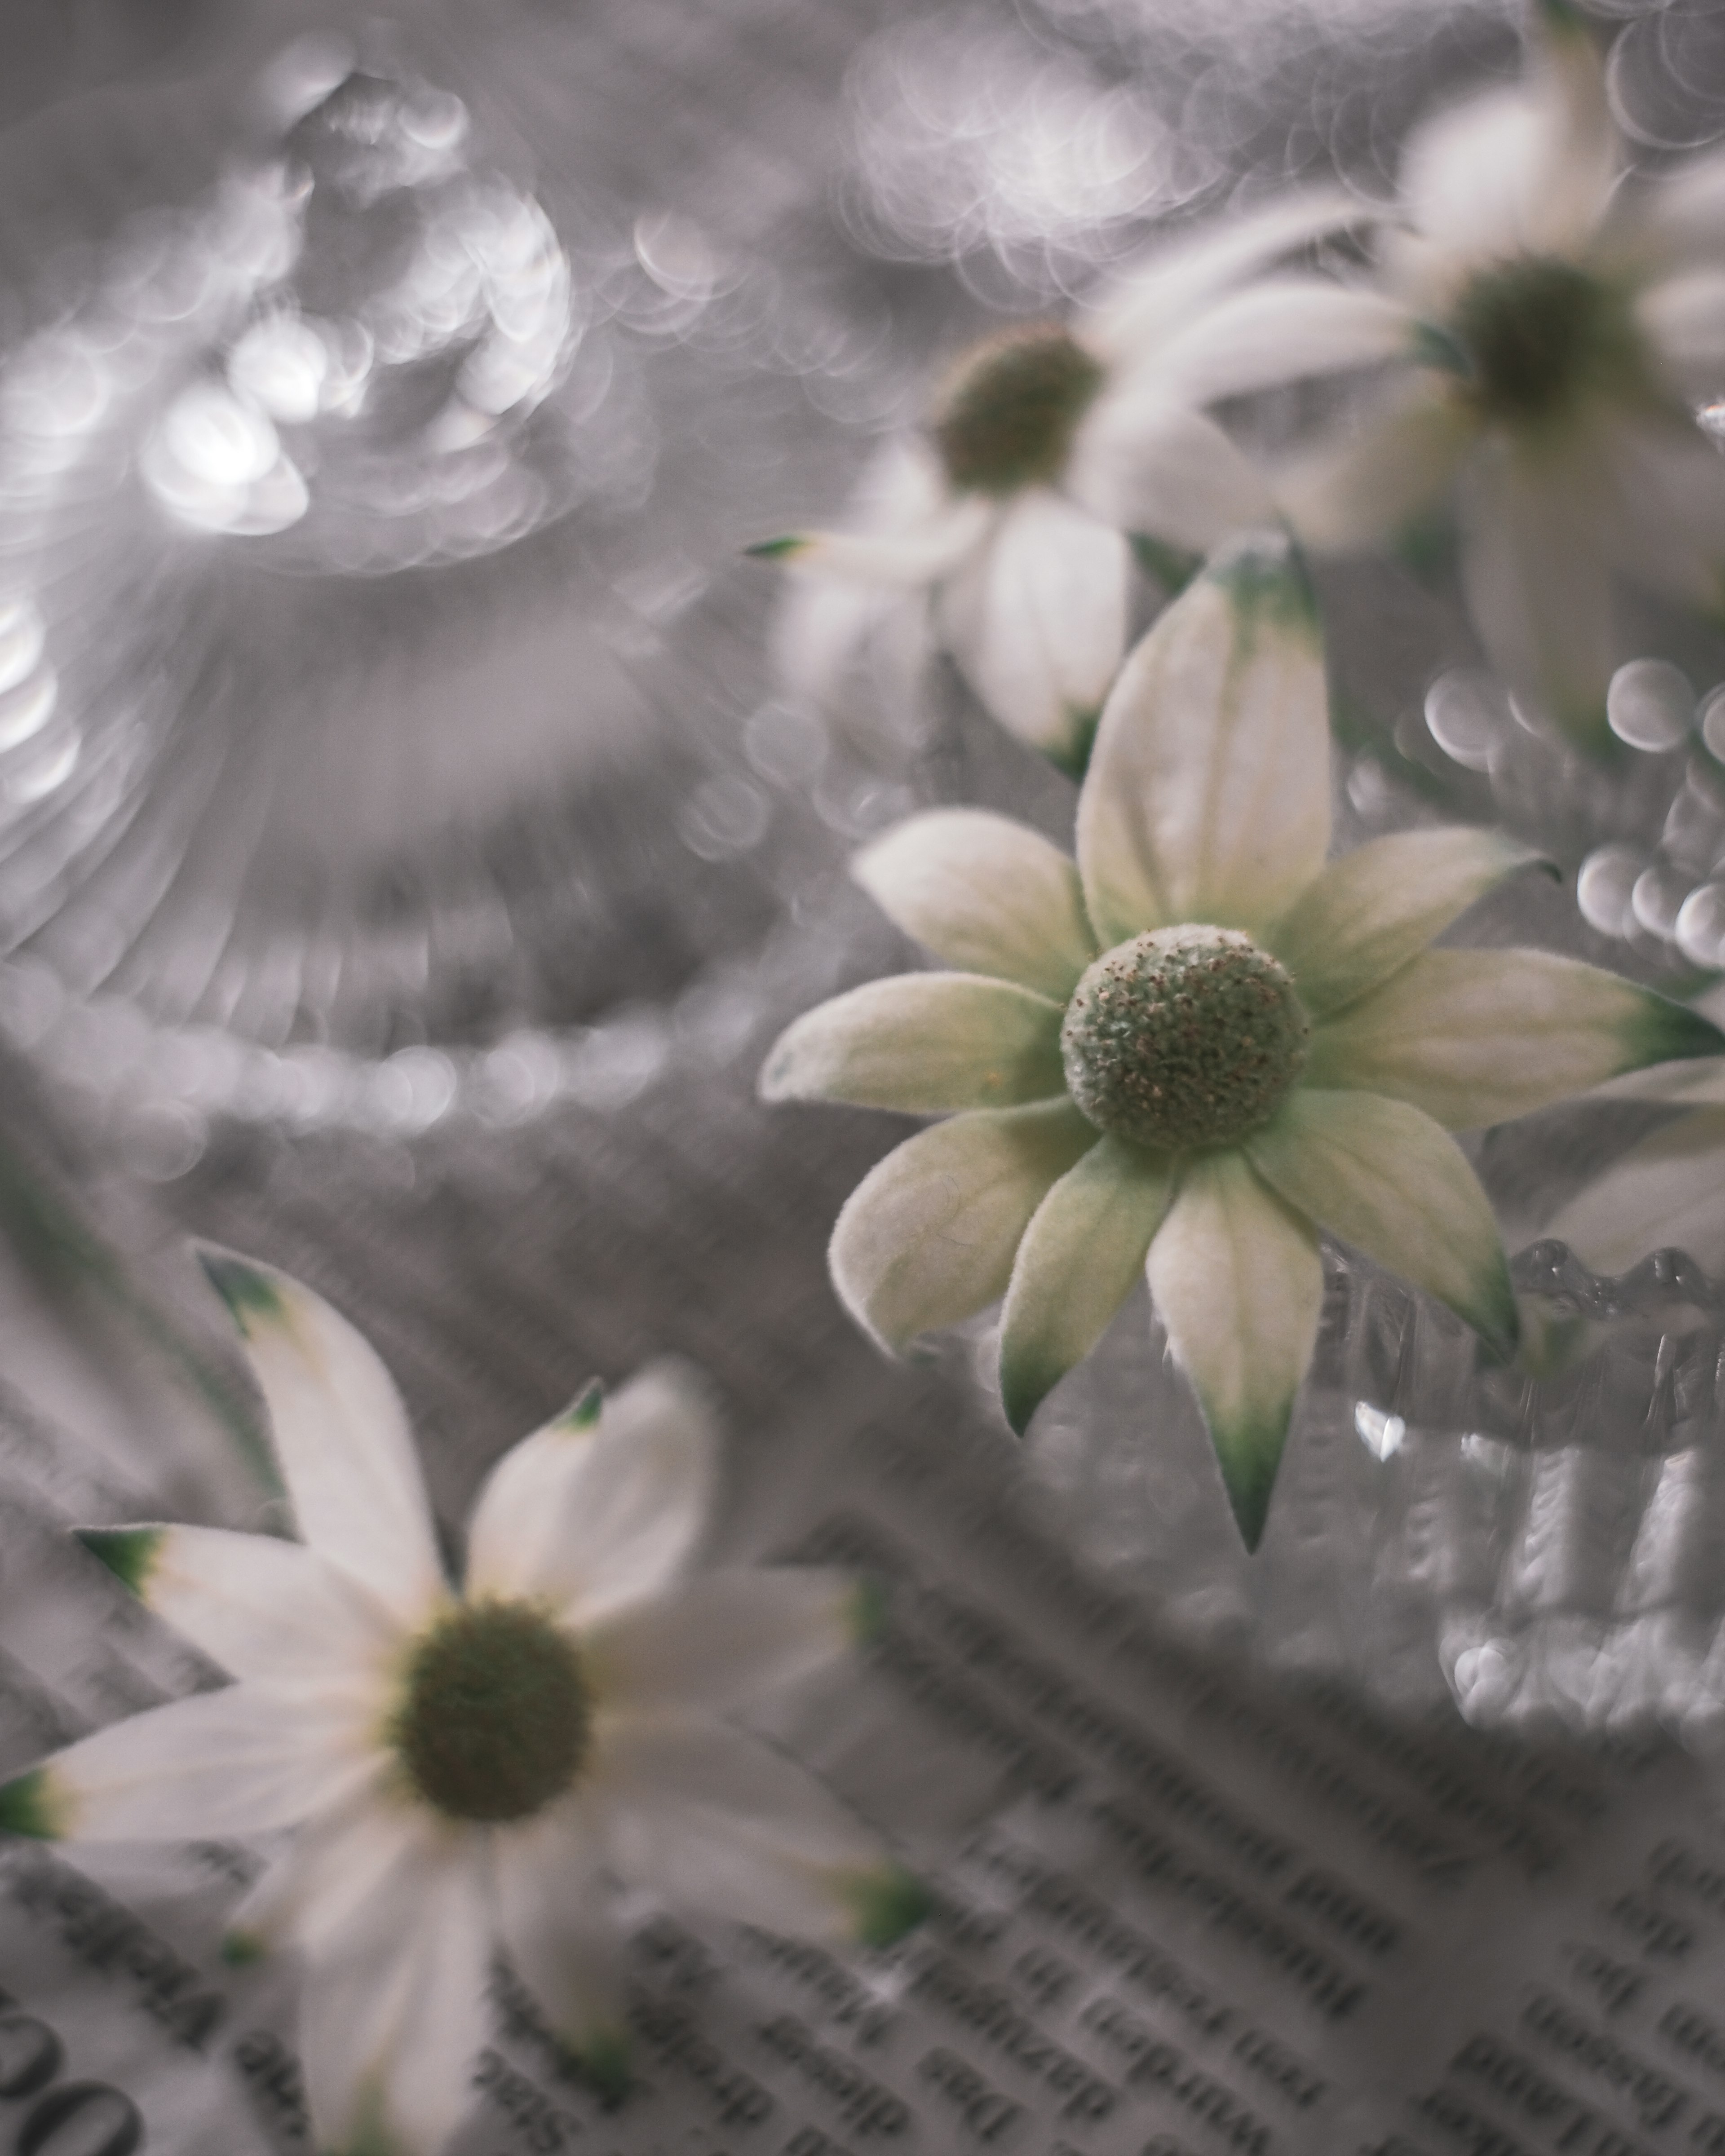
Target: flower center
[
  {"x": 1009, "y": 412},
  {"x": 496, "y": 1717},
  {"x": 1537, "y": 331},
  {"x": 1188, "y": 1036}
]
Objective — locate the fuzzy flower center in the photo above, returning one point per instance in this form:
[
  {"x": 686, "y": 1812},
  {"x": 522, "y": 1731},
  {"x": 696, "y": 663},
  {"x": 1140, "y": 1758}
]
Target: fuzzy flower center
[
  {"x": 1188, "y": 1036},
  {"x": 1538, "y": 332},
  {"x": 496, "y": 1717},
  {"x": 1011, "y": 408}
]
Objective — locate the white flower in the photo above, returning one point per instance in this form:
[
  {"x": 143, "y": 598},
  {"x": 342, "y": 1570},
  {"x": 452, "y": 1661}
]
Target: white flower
[
  {"x": 1197, "y": 1049},
  {"x": 1556, "y": 326},
  {"x": 469, "y": 1772},
  {"x": 1049, "y": 445}
]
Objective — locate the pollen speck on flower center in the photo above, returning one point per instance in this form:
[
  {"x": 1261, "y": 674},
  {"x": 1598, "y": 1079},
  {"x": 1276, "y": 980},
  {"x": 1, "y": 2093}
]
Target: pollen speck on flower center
[
  {"x": 1011, "y": 408},
  {"x": 495, "y": 1717},
  {"x": 1183, "y": 1037},
  {"x": 1536, "y": 332}
]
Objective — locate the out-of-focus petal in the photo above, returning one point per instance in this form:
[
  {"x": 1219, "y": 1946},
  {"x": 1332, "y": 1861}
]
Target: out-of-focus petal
[
  {"x": 1144, "y": 462},
  {"x": 1365, "y": 485},
  {"x": 554, "y": 1911},
  {"x": 723, "y": 1640},
  {"x": 1282, "y": 330},
  {"x": 985, "y": 895},
  {"x": 1036, "y": 620},
  {"x": 1666, "y": 1193},
  {"x": 928, "y": 1236},
  {"x": 1208, "y": 798}
]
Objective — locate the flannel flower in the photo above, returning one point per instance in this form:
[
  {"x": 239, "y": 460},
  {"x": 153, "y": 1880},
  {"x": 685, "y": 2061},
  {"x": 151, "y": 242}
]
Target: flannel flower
[
  {"x": 1198, "y": 1049},
  {"x": 1553, "y": 327},
  {"x": 1049, "y": 446},
  {"x": 469, "y": 1772}
]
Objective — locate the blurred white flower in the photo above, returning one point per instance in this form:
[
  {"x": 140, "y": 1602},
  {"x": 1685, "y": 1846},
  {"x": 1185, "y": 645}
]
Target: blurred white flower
[
  {"x": 1557, "y": 328},
  {"x": 1050, "y": 450},
  {"x": 470, "y": 1772}
]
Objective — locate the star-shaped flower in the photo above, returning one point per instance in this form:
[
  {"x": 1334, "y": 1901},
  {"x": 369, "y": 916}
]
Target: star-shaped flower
[
  {"x": 469, "y": 1771},
  {"x": 1199, "y": 1046},
  {"x": 1558, "y": 326},
  {"x": 1049, "y": 445}
]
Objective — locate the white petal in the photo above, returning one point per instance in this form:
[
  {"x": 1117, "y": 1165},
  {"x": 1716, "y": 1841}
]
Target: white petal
[
  {"x": 1384, "y": 1178},
  {"x": 1281, "y": 330},
  {"x": 240, "y": 1761},
  {"x": 341, "y": 1435},
  {"x": 1666, "y": 1193},
  {"x": 1157, "y": 294},
  {"x": 927, "y": 1238},
  {"x": 394, "y": 2017},
  {"x": 1366, "y": 484},
  {"x": 1237, "y": 1278},
  {"x": 722, "y": 1640},
  {"x": 1684, "y": 319},
  {"x": 1475, "y": 1037},
  {"x": 554, "y": 1910},
  {"x": 332, "y": 1866},
  {"x": 1036, "y": 622},
  {"x": 1080, "y": 1257},
  {"x": 721, "y": 1825},
  {"x": 921, "y": 554},
  {"x": 984, "y": 895},
  {"x": 922, "y": 1043},
  {"x": 1535, "y": 571},
  {"x": 259, "y": 1607},
  {"x": 1143, "y": 462},
  {"x": 1208, "y": 798},
  {"x": 1377, "y": 907},
  {"x": 595, "y": 1516}
]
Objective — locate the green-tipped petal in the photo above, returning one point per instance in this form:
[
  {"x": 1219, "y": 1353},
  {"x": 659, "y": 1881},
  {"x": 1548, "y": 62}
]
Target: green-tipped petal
[
  {"x": 985, "y": 895},
  {"x": 1584, "y": 154},
  {"x": 1377, "y": 907},
  {"x": 242, "y": 1949},
  {"x": 1666, "y": 1193},
  {"x": 1475, "y": 1037},
  {"x": 1364, "y": 485},
  {"x": 922, "y": 1043},
  {"x": 130, "y": 1553},
  {"x": 885, "y": 1905},
  {"x": 1080, "y": 1256},
  {"x": 37, "y": 1804},
  {"x": 583, "y": 1414},
  {"x": 340, "y": 1433},
  {"x": 1384, "y": 1178},
  {"x": 603, "y": 2060},
  {"x": 1237, "y": 1278},
  {"x": 1208, "y": 797},
  {"x": 929, "y": 1235},
  {"x": 920, "y": 553}
]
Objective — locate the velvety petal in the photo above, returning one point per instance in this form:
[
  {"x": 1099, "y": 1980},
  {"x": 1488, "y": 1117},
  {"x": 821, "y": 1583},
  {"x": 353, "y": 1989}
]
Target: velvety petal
[
  {"x": 922, "y": 1043},
  {"x": 595, "y": 1514},
  {"x": 554, "y": 1910},
  {"x": 1157, "y": 294},
  {"x": 1666, "y": 1193},
  {"x": 257, "y": 1606},
  {"x": 1036, "y": 621},
  {"x": 340, "y": 1433},
  {"x": 1208, "y": 798},
  {"x": 1237, "y": 1278},
  {"x": 1143, "y": 461},
  {"x": 720, "y": 1824},
  {"x": 985, "y": 895},
  {"x": 723, "y": 1640},
  {"x": 1081, "y": 1254},
  {"x": 1535, "y": 571},
  {"x": 1365, "y": 485},
  {"x": 920, "y": 553},
  {"x": 392, "y": 2021},
  {"x": 236, "y": 1762},
  {"x": 1375, "y": 908},
  {"x": 1282, "y": 330},
  {"x": 1474, "y": 1037},
  {"x": 928, "y": 1236},
  {"x": 1383, "y": 1176}
]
